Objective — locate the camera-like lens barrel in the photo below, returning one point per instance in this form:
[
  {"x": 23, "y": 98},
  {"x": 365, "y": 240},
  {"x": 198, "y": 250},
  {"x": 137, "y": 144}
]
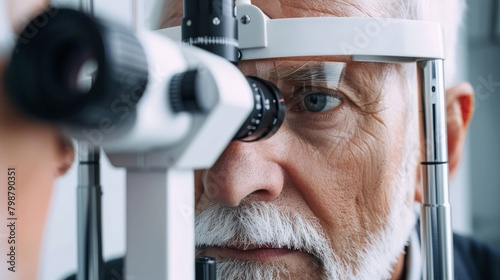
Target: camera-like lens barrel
[
  {"x": 212, "y": 26},
  {"x": 264, "y": 120},
  {"x": 74, "y": 68},
  {"x": 268, "y": 112}
]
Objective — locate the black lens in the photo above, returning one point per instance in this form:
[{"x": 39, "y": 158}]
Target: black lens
[
  {"x": 267, "y": 114},
  {"x": 77, "y": 69}
]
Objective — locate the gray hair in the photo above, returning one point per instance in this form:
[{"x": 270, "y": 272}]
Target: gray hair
[{"x": 448, "y": 13}]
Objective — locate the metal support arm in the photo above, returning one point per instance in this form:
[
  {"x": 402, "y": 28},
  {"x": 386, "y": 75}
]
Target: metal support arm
[{"x": 437, "y": 238}]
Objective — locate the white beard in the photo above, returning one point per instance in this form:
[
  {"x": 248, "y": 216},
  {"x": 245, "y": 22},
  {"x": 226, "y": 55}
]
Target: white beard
[{"x": 264, "y": 223}]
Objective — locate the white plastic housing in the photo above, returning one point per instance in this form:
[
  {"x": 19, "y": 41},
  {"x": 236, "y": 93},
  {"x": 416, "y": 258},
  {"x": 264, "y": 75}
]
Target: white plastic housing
[
  {"x": 155, "y": 125},
  {"x": 159, "y": 137}
]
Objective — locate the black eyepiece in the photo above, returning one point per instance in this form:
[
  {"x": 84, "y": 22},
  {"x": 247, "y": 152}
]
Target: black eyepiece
[
  {"x": 75, "y": 68},
  {"x": 268, "y": 112}
]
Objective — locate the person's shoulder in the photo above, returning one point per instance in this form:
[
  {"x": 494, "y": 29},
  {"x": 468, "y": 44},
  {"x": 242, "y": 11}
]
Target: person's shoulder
[
  {"x": 475, "y": 259},
  {"x": 113, "y": 270}
]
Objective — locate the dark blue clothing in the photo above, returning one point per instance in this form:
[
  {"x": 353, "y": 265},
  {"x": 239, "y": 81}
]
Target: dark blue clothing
[{"x": 475, "y": 260}]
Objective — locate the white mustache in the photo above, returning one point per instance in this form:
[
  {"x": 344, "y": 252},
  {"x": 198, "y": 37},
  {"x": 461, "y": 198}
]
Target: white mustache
[
  {"x": 260, "y": 224},
  {"x": 255, "y": 224}
]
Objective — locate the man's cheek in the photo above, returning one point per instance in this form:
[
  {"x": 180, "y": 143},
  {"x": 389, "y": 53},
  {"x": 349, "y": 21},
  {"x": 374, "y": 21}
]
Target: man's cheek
[{"x": 342, "y": 152}]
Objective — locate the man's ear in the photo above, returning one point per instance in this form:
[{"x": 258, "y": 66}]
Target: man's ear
[
  {"x": 459, "y": 110},
  {"x": 65, "y": 154}
]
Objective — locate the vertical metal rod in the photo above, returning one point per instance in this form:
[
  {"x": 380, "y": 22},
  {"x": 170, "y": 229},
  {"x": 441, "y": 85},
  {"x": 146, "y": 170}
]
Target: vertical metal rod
[
  {"x": 437, "y": 238},
  {"x": 90, "y": 263}
]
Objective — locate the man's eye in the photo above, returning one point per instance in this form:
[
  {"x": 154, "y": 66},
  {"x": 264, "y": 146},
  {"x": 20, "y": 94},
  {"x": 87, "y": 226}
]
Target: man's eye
[{"x": 320, "y": 102}]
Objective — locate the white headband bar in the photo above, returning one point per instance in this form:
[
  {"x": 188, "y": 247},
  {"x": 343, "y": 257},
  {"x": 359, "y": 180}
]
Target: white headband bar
[{"x": 365, "y": 39}]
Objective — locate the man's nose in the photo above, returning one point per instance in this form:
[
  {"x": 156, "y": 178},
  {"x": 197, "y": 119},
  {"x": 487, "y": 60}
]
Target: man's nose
[{"x": 243, "y": 170}]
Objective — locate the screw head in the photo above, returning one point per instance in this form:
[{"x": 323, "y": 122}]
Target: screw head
[
  {"x": 245, "y": 19},
  {"x": 216, "y": 21},
  {"x": 189, "y": 22}
]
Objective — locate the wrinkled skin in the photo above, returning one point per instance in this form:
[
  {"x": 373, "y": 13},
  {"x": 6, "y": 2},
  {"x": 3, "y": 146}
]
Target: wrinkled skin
[{"x": 341, "y": 167}]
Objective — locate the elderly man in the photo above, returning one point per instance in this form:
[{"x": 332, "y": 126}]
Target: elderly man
[{"x": 331, "y": 195}]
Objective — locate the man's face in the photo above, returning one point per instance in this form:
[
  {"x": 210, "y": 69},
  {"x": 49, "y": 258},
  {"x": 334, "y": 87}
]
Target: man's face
[{"x": 330, "y": 195}]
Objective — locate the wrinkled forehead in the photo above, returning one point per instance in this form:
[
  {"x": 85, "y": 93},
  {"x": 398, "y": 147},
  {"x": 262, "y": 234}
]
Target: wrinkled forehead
[
  {"x": 320, "y": 8},
  {"x": 304, "y": 8},
  {"x": 273, "y": 69}
]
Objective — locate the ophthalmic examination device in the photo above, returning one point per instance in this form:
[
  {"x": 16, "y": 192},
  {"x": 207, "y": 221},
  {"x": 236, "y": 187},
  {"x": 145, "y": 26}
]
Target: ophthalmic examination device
[{"x": 164, "y": 103}]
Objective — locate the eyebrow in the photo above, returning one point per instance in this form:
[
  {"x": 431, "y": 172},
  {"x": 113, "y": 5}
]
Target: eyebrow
[{"x": 319, "y": 72}]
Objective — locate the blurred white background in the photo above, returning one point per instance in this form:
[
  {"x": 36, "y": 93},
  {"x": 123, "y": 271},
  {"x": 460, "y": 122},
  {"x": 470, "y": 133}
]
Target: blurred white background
[{"x": 475, "y": 193}]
